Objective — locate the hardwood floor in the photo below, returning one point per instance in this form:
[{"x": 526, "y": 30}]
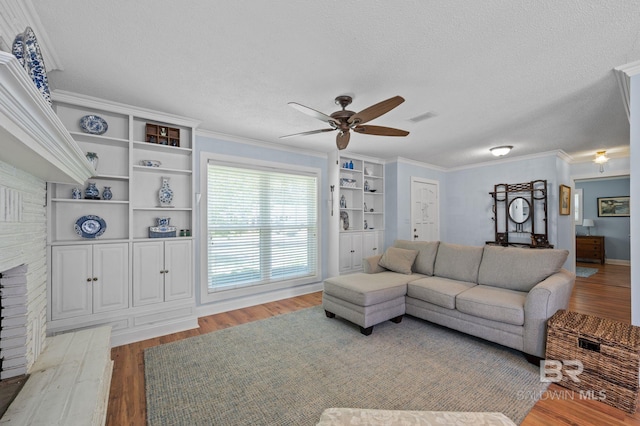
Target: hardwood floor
[{"x": 605, "y": 294}]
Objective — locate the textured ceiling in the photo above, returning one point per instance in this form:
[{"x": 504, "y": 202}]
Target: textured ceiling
[{"x": 535, "y": 75}]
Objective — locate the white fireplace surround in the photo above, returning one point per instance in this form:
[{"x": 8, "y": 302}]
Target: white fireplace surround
[{"x": 35, "y": 149}]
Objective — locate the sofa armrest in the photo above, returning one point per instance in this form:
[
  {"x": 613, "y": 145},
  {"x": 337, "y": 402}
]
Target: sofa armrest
[
  {"x": 542, "y": 302},
  {"x": 371, "y": 264}
]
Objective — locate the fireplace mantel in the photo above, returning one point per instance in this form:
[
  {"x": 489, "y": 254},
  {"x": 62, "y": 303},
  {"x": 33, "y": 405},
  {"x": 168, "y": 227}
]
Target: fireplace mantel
[{"x": 32, "y": 136}]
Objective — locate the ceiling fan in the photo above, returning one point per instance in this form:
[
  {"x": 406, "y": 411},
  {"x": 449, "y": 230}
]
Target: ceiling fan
[{"x": 343, "y": 121}]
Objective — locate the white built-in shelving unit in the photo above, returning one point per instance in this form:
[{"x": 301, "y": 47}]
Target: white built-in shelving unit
[
  {"x": 361, "y": 183},
  {"x": 141, "y": 286}
]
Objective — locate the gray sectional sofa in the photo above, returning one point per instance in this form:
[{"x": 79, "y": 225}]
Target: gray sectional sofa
[{"x": 501, "y": 294}]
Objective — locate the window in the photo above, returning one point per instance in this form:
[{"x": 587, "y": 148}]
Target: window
[{"x": 262, "y": 226}]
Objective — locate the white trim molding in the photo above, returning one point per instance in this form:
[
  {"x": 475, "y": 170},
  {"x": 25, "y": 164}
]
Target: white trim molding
[
  {"x": 33, "y": 137},
  {"x": 623, "y": 74}
]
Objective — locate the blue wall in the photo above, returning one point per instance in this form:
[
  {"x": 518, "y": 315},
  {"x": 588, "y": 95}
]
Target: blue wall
[
  {"x": 465, "y": 204},
  {"x": 615, "y": 229}
]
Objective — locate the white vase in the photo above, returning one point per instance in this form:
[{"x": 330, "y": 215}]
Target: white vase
[{"x": 165, "y": 193}]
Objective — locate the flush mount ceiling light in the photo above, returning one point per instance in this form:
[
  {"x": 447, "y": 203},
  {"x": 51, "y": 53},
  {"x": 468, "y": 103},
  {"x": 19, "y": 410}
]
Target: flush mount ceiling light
[
  {"x": 500, "y": 151},
  {"x": 601, "y": 159}
]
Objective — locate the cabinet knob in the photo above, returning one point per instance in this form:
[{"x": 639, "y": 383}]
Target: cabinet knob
[
  {"x": 89, "y": 279},
  {"x": 375, "y": 248},
  {"x": 162, "y": 272},
  {"x": 95, "y": 278},
  {"x": 166, "y": 271}
]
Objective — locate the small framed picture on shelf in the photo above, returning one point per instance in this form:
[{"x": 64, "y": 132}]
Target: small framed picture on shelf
[{"x": 565, "y": 200}]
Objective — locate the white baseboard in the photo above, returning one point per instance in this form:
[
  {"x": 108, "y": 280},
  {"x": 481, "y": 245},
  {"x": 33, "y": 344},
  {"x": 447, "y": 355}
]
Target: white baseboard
[
  {"x": 618, "y": 262},
  {"x": 244, "y": 302},
  {"x": 132, "y": 335}
]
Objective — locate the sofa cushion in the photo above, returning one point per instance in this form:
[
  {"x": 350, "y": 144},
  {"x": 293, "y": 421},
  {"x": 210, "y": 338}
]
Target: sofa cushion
[
  {"x": 368, "y": 289},
  {"x": 519, "y": 268},
  {"x": 398, "y": 259},
  {"x": 493, "y": 303},
  {"x": 436, "y": 290},
  {"x": 426, "y": 254},
  {"x": 458, "y": 262}
]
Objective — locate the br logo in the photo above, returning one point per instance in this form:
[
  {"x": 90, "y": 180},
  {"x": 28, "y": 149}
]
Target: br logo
[{"x": 553, "y": 371}]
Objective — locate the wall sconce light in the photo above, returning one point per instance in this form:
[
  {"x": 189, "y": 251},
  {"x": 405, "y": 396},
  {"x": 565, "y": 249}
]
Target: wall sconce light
[
  {"x": 601, "y": 159},
  {"x": 500, "y": 151}
]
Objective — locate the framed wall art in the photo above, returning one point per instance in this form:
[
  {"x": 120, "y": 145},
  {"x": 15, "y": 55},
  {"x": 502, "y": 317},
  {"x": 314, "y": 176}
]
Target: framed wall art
[
  {"x": 614, "y": 207},
  {"x": 565, "y": 200}
]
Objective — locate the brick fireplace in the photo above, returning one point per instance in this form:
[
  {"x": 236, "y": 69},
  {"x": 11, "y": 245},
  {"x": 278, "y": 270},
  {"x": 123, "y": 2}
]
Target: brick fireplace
[
  {"x": 35, "y": 148},
  {"x": 23, "y": 265}
]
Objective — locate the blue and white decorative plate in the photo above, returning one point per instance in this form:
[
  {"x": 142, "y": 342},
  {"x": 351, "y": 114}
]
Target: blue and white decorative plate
[
  {"x": 33, "y": 62},
  {"x": 18, "y": 49},
  {"x": 90, "y": 226},
  {"x": 93, "y": 124}
]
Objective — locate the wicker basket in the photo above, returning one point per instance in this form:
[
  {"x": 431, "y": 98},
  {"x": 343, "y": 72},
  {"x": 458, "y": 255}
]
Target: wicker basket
[{"x": 609, "y": 351}]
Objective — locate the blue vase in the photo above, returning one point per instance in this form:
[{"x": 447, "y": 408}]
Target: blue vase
[
  {"x": 106, "y": 193},
  {"x": 91, "y": 192}
]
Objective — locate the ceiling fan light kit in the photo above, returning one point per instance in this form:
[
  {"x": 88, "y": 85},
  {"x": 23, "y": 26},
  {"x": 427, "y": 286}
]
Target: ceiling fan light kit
[
  {"x": 501, "y": 151},
  {"x": 344, "y": 120}
]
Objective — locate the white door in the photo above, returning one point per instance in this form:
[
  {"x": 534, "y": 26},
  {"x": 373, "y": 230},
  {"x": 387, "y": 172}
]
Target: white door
[
  {"x": 425, "y": 218},
  {"x": 111, "y": 272},
  {"x": 71, "y": 281},
  {"x": 148, "y": 273},
  {"x": 178, "y": 282}
]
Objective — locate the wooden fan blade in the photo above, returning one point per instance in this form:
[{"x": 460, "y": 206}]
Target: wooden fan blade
[
  {"x": 312, "y": 132},
  {"x": 315, "y": 114},
  {"x": 380, "y": 131},
  {"x": 342, "y": 139},
  {"x": 375, "y": 111}
]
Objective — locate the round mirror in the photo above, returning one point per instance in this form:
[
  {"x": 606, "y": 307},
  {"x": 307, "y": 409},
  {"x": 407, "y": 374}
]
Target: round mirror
[{"x": 519, "y": 210}]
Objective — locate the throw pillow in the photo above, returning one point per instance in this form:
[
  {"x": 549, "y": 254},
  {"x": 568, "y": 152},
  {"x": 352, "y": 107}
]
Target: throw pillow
[{"x": 398, "y": 260}]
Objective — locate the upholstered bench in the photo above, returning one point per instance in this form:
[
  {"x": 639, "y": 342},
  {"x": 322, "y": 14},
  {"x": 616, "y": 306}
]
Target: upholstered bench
[{"x": 366, "y": 299}]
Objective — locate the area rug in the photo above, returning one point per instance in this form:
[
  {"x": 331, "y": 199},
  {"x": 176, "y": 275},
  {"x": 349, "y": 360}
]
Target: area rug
[
  {"x": 287, "y": 369},
  {"x": 584, "y": 272}
]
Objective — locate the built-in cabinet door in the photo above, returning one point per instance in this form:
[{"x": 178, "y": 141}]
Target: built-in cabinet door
[
  {"x": 111, "y": 277},
  {"x": 372, "y": 244},
  {"x": 177, "y": 265},
  {"x": 71, "y": 281},
  {"x": 148, "y": 273},
  {"x": 350, "y": 251}
]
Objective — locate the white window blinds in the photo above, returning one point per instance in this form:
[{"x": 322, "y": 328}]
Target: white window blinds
[{"x": 262, "y": 226}]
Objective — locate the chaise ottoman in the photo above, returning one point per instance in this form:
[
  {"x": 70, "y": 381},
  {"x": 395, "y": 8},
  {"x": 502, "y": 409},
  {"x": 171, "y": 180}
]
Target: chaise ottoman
[{"x": 366, "y": 299}]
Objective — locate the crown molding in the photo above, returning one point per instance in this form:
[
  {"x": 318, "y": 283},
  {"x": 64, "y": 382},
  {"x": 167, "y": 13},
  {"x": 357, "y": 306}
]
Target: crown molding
[
  {"x": 259, "y": 143},
  {"x": 409, "y": 161},
  {"x": 63, "y": 96},
  {"x": 33, "y": 137},
  {"x": 623, "y": 75}
]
